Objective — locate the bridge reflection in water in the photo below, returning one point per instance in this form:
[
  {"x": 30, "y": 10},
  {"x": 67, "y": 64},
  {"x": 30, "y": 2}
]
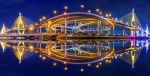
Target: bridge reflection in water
[{"x": 78, "y": 51}]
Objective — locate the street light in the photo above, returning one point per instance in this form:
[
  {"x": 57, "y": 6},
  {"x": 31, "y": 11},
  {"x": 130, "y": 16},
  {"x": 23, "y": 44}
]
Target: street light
[
  {"x": 66, "y": 7},
  {"x": 97, "y": 66},
  {"x": 43, "y": 58},
  {"x": 65, "y": 13},
  {"x": 31, "y": 28},
  {"x": 107, "y": 15},
  {"x": 100, "y": 12},
  {"x": 65, "y": 68},
  {"x": 31, "y": 47},
  {"x": 44, "y": 18},
  {"x": 89, "y": 65},
  {"x": 82, "y": 6},
  {"x": 81, "y": 69},
  {"x": 40, "y": 20},
  {"x": 54, "y": 11},
  {"x": 54, "y": 64},
  {"x": 89, "y": 11},
  {"x": 97, "y": 10}
]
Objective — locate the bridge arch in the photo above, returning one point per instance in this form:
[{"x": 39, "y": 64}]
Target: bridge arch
[{"x": 75, "y": 21}]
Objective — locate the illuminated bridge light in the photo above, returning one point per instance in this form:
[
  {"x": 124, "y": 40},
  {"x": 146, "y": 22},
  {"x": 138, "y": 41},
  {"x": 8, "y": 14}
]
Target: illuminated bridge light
[
  {"x": 82, "y": 6},
  {"x": 65, "y": 7},
  {"x": 97, "y": 66},
  {"x": 89, "y": 11},
  {"x": 65, "y": 68},
  {"x": 82, "y": 70},
  {"x": 54, "y": 64},
  {"x": 89, "y": 65},
  {"x": 97, "y": 10},
  {"x": 100, "y": 13},
  {"x": 3, "y": 45},
  {"x": 55, "y": 12},
  {"x": 44, "y": 18},
  {"x": 100, "y": 63}
]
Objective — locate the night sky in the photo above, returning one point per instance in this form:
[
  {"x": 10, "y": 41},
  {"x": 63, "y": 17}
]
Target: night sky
[{"x": 34, "y": 9}]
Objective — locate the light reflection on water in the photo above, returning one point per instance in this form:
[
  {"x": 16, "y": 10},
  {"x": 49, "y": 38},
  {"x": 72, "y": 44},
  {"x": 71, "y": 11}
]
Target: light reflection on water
[{"x": 78, "y": 51}]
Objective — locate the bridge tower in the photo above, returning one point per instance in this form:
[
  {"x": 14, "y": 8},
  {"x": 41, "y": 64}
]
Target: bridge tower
[
  {"x": 3, "y": 30},
  {"x": 132, "y": 58},
  {"x": 20, "y": 27},
  {"x": 133, "y": 23},
  {"x": 146, "y": 31},
  {"x": 19, "y": 51},
  {"x": 3, "y": 45}
]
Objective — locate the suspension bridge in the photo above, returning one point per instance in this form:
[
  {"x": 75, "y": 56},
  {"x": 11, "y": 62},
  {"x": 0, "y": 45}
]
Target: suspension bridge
[
  {"x": 77, "y": 25},
  {"x": 61, "y": 38}
]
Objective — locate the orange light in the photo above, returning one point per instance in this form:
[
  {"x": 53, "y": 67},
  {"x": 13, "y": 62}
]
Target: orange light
[
  {"x": 44, "y": 18},
  {"x": 65, "y": 62},
  {"x": 31, "y": 28},
  {"x": 31, "y": 47}
]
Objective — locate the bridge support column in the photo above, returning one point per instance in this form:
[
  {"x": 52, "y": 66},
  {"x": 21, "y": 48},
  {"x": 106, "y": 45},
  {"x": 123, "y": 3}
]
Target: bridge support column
[
  {"x": 132, "y": 43},
  {"x": 132, "y": 33},
  {"x": 65, "y": 49},
  {"x": 20, "y": 51},
  {"x": 108, "y": 32},
  {"x": 98, "y": 27},
  {"x": 65, "y": 26},
  {"x": 40, "y": 29},
  {"x": 113, "y": 30},
  {"x": 48, "y": 28}
]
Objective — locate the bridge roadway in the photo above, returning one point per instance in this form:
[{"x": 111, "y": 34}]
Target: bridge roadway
[{"x": 55, "y": 20}]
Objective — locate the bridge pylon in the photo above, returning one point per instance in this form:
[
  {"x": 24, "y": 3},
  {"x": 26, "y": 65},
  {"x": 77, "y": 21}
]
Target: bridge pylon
[
  {"x": 3, "y": 30},
  {"x": 147, "y": 31},
  {"x": 20, "y": 27},
  {"x": 3, "y": 45},
  {"x": 19, "y": 51},
  {"x": 132, "y": 21}
]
